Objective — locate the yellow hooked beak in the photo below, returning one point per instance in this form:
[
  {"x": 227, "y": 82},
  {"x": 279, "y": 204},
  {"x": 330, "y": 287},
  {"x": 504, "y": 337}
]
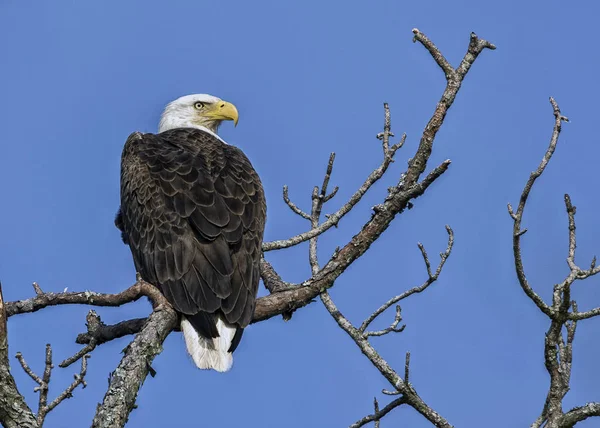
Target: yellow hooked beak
[{"x": 223, "y": 110}]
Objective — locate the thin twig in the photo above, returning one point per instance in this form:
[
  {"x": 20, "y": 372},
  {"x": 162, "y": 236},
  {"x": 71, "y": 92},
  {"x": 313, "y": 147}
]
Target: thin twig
[
  {"x": 43, "y": 384},
  {"x": 376, "y": 413},
  {"x": 44, "y": 387},
  {"x": 411, "y": 396},
  {"x": 392, "y": 328},
  {"x": 37, "y": 289},
  {"x": 397, "y": 200},
  {"x": 333, "y": 219},
  {"x": 83, "y": 352},
  {"x": 79, "y": 379},
  {"x": 430, "y": 280},
  {"x": 379, "y": 413},
  {"x": 293, "y": 206},
  {"x": 28, "y": 370},
  {"x": 93, "y": 324}
]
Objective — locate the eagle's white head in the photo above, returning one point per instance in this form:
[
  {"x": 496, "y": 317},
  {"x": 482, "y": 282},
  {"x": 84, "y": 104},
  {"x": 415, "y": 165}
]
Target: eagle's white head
[{"x": 200, "y": 111}]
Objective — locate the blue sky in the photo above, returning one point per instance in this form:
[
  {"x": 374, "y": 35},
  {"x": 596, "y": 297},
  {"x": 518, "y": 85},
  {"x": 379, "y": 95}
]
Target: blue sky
[{"x": 309, "y": 78}]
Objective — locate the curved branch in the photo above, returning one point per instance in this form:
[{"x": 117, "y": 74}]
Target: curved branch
[
  {"x": 379, "y": 414},
  {"x": 40, "y": 301},
  {"x": 430, "y": 280},
  {"x": 579, "y": 414},
  {"x": 518, "y": 216}
]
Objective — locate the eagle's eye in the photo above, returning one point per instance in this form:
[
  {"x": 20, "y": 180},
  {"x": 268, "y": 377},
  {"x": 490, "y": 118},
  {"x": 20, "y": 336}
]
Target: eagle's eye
[{"x": 199, "y": 105}]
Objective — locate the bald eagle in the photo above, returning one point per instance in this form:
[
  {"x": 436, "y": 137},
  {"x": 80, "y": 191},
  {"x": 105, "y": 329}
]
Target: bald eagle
[{"x": 193, "y": 213}]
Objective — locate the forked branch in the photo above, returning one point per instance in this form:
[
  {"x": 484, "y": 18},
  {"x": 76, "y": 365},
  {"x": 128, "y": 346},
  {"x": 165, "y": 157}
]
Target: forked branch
[
  {"x": 563, "y": 312},
  {"x": 44, "y": 383}
]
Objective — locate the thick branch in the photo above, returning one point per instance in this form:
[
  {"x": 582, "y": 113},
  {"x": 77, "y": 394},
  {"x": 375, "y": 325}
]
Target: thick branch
[
  {"x": 271, "y": 278},
  {"x": 286, "y": 301},
  {"x": 129, "y": 376},
  {"x": 14, "y": 411},
  {"x": 106, "y": 333},
  {"x": 579, "y": 414}
]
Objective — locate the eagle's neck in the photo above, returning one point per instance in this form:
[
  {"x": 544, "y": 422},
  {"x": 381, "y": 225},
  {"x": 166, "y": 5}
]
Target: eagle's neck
[{"x": 168, "y": 122}]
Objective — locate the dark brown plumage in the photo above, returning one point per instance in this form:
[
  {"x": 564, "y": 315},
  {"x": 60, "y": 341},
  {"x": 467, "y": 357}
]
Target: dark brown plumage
[{"x": 193, "y": 213}]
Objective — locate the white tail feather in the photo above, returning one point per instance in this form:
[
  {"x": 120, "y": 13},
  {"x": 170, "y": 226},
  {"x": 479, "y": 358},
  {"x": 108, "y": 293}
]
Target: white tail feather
[{"x": 209, "y": 353}]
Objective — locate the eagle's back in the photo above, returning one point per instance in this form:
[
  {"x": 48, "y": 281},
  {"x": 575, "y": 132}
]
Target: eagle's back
[{"x": 193, "y": 213}]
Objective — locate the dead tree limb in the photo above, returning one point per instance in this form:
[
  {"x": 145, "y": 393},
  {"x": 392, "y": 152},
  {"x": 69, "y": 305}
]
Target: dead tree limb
[
  {"x": 44, "y": 383},
  {"x": 14, "y": 411},
  {"x": 393, "y": 204},
  {"x": 563, "y": 312},
  {"x": 128, "y": 377}
]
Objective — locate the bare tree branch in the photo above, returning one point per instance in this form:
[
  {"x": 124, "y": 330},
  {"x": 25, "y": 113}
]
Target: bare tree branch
[
  {"x": 27, "y": 369},
  {"x": 44, "y": 383},
  {"x": 375, "y": 417},
  {"x": 454, "y": 80},
  {"x": 409, "y": 393},
  {"x": 392, "y": 328},
  {"x": 579, "y": 414},
  {"x": 40, "y": 301},
  {"x": 518, "y": 216},
  {"x": 334, "y": 219},
  {"x": 135, "y": 365},
  {"x": 432, "y": 278},
  {"x": 297, "y": 297},
  {"x": 271, "y": 278},
  {"x": 293, "y": 206},
  {"x": 99, "y": 333},
  {"x": 79, "y": 379},
  {"x": 563, "y": 312},
  {"x": 14, "y": 411}
]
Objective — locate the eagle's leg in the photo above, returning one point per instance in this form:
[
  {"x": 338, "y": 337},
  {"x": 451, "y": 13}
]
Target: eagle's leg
[{"x": 158, "y": 301}]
